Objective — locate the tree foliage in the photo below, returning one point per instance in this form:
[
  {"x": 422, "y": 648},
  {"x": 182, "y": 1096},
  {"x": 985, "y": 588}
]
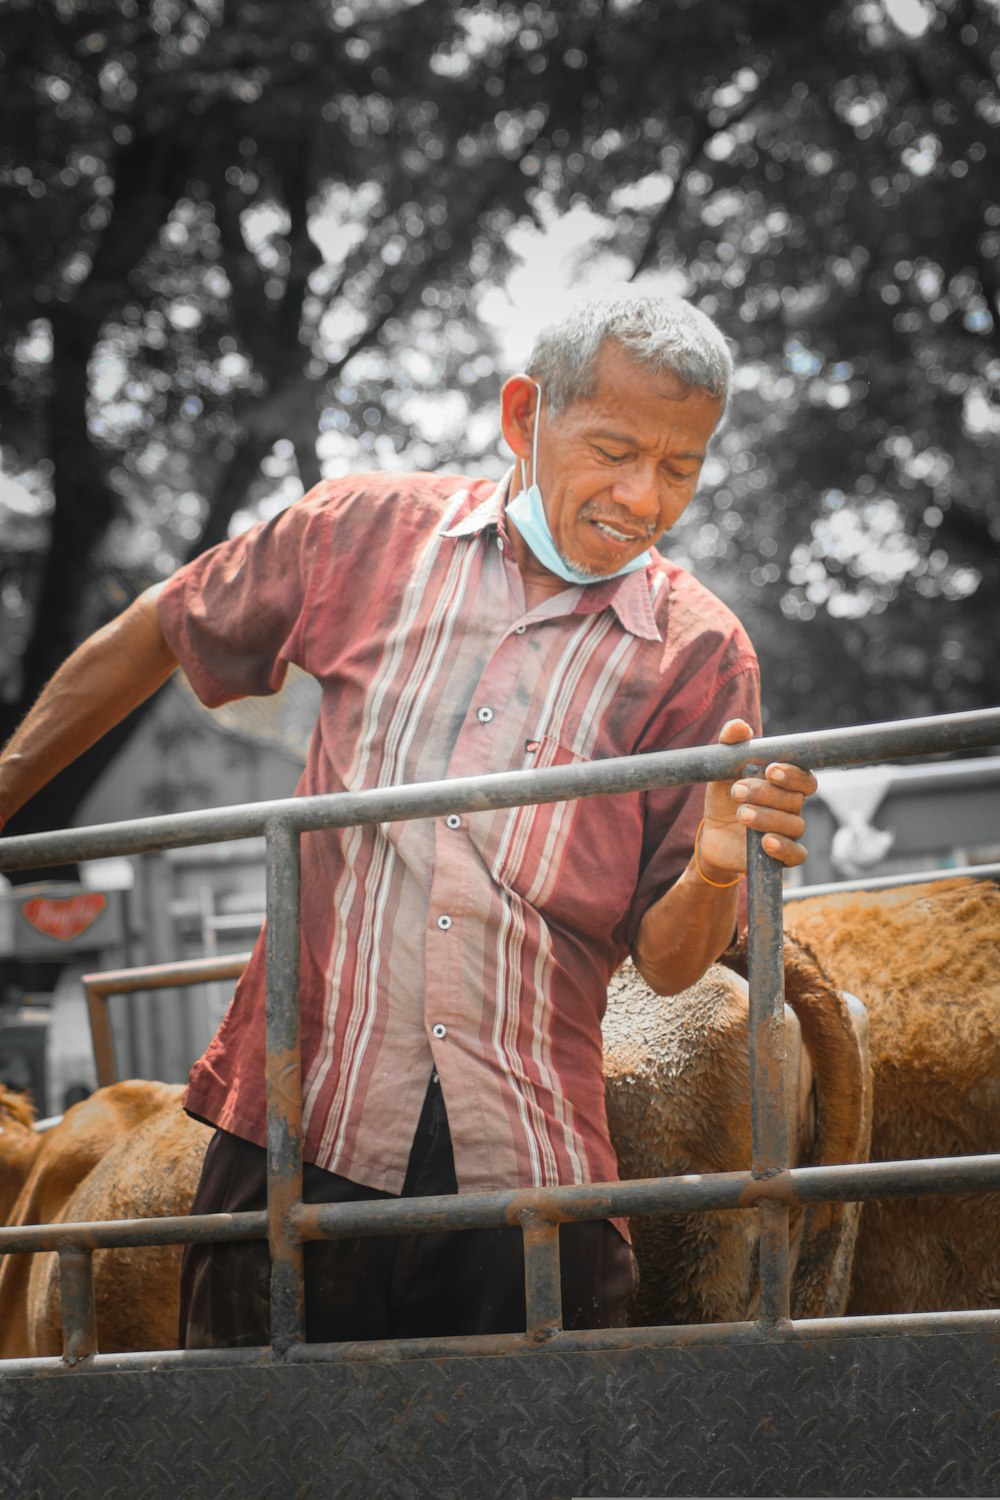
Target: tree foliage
[{"x": 247, "y": 244}]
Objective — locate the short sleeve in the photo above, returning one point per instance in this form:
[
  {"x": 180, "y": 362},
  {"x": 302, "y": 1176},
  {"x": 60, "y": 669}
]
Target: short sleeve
[
  {"x": 233, "y": 617},
  {"x": 671, "y": 816}
]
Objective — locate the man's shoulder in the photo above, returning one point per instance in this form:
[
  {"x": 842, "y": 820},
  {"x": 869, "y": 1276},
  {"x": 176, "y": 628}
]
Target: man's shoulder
[
  {"x": 409, "y": 497},
  {"x": 687, "y": 611}
]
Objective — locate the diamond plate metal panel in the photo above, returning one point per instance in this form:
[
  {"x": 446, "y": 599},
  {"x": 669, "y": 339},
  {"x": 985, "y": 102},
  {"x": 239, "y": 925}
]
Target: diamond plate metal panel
[{"x": 892, "y": 1415}]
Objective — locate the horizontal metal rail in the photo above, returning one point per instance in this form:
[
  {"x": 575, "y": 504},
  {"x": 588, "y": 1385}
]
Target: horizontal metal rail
[
  {"x": 99, "y": 988},
  {"x": 631, "y": 773},
  {"x": 981, "y": 772},
  {"x": 770, "y": 1188},
  {"x": 597, "y": 1340},
  {"x": 889, "y": 882},
  {"x": 854, "y": 1182}
]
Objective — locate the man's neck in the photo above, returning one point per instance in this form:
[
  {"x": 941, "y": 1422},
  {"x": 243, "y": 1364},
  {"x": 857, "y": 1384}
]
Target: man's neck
[{"x": 539, "y": 583}]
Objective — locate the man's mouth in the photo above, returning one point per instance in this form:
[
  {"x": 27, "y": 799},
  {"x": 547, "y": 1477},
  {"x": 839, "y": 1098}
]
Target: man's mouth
[{"x": 617, "y": 536}]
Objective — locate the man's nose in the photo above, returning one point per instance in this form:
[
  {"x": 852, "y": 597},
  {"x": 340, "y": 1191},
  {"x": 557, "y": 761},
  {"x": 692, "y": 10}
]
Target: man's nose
[{"x": 638, "y": 492}]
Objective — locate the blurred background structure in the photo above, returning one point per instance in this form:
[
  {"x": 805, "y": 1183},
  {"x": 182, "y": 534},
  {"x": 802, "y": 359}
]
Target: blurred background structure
[{"x": 246, "y": 245}]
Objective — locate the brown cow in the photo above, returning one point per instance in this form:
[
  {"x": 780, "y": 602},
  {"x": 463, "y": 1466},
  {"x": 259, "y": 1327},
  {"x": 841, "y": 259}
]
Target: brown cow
[
  {"x": 128, "y": 1151},
  {"x": 19, "y": 1143},
  {"x": 926, "y": 961},
  {"x": 677, "y": 1085},
  {"x": 677, "y": 1102}
]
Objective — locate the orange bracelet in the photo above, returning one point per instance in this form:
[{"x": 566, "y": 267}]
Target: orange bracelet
[{"x": 697, "y": 864}]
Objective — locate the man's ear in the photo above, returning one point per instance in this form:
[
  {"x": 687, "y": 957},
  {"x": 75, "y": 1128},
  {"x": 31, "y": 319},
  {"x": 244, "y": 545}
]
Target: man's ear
[{"x": 518, "y": 400}]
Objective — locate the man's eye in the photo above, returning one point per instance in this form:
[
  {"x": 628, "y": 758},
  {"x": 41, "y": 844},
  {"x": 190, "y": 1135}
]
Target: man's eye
[{"x": 615, "y": 458}]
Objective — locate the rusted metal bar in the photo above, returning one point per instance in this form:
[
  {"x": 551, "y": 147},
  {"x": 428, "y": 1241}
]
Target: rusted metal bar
[
  {"x": 166, "y": 976},
  {"x": 851, "y": 1183},
  {"x": 76, "y": 1299},
  {"x": 775, "y": 1303},
  {"x": 768, "y": 1118},
  {"x": 542, "y": 1283},
  {"x": 635, "y": 773},
  {"x": 101, "y": 1038},
  {"x": 613, "y": 1340},
  {"x": 598, "y": 1340},
  {"x": 99, "y": 987},
  {"x": 108, "y": 1234},
  {"x": 284, "y": 1085}
]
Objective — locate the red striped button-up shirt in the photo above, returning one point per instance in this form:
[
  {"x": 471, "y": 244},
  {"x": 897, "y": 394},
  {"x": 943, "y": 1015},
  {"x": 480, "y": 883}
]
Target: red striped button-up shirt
[{"x": 479, "y": 945}]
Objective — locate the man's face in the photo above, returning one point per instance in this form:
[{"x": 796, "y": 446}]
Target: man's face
[{"x": 618, "y": 468}]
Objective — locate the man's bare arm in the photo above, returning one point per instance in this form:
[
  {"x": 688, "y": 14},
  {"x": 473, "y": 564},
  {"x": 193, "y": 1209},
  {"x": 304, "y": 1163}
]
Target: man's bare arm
[{"x": 109, "y": 675}]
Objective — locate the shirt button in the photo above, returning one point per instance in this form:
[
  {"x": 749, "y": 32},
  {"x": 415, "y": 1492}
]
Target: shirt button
[
  {"x": 500, "y": 542},
  {"x": 444, "y": 923},
  {"x": 453, "y": 821},
  {"x": 520, "y": 629},
  {"x": 439, "y": 1031},
  {"x": 484, "y": 715}
]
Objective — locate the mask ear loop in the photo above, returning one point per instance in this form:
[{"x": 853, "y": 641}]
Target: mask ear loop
[{"x": 534, "y": 440}]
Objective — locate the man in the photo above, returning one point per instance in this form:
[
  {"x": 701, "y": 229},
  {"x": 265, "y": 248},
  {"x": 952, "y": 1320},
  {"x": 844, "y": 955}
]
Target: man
[{"x": 454, "y": 970}]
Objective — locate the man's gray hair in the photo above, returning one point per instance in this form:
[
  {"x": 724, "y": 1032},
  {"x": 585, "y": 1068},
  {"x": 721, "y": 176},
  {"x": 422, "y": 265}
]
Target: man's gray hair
[{"x": 658, "y": 329}]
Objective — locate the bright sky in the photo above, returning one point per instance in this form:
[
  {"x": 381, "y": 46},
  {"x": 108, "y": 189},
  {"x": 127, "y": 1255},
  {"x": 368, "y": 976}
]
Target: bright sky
[
  {"x": 554, "y": 264},
  {"x": 911, "y": 16}
]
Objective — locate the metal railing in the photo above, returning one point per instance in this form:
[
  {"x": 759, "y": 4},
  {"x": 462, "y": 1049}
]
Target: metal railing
[
  {"x": 771, "y": 1186},
  {"x": 98, "y": 989}
]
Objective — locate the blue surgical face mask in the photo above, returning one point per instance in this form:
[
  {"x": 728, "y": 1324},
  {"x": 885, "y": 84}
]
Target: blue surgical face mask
[{"x": 527, "y": 512}]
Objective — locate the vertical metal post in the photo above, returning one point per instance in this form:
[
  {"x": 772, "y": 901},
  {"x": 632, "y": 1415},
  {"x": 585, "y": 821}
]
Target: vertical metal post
[
  {"x": 154, "y": 1052},
  {"x": 284, "y": 1085},
  {"x": 98, "y": 1009},
  {"x": 542, "y": 1280},
  {"x": 768, "y": 1121},
  {"x": 76, "y": 1300}
]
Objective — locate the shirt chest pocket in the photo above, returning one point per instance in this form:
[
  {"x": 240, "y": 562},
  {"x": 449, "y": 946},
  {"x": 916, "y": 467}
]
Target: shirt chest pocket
[{"x": 576, "y": 861}]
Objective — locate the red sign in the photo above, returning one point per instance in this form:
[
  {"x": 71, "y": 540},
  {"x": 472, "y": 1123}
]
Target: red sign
[{"x": 64, "y": 917}]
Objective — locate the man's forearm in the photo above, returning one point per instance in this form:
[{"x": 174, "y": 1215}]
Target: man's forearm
[
  {"x": 684, "y": 932},
  {"x": 114, "y": 671},
  {"x": 688, "y": 928}
]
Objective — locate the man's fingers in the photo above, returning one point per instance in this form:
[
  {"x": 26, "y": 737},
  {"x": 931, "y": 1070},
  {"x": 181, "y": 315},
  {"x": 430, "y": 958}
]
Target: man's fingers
[
  {"x": 787, "y": 851},
  {"x": 770, "y": 820},
  {"x": 779, "y": 773},
  {"x": 792, "y": 777},
  {"x": 735, "y": 730},
  {"x": 752, "y": 792}
]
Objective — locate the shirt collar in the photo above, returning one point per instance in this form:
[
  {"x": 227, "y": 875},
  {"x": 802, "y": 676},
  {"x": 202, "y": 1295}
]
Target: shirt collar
[
  {"x": 488, "y": 512},
  {"x": 631, "y": 599},
  {"x": 631, "y": 596}
]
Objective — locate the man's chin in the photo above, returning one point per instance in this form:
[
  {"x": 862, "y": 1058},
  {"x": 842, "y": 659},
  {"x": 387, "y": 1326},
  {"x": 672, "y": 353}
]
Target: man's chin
[{"x": 592, "y": 570}]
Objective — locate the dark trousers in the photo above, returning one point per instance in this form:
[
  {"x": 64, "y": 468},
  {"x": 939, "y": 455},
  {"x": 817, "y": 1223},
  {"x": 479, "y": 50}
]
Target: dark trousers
[{"x": 401, "y": 1286}]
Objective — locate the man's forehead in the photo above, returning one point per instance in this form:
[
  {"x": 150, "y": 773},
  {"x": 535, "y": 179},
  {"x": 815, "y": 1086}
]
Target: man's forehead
[{"x": 628, "y": 400}]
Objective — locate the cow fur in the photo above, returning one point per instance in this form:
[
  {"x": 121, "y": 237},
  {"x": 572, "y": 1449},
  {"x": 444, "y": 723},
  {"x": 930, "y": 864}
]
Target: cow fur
[
  {"x": 152, "y": 1171},
  {"x": 677, "y": 1086},
  {"x": 19, "y": 1143},
  {"x": 925, "y": 959},
  {"x": 106, "y": 1159}
]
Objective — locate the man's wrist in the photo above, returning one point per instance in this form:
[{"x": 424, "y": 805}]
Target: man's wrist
[{"x": 718, "y": 879}]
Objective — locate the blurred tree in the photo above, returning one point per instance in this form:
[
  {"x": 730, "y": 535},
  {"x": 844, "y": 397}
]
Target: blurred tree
[{"x": 244, "y": 245}]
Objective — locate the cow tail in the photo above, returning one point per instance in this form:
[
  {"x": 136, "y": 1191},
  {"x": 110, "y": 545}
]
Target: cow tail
[{"x": 843, "y": 1100}]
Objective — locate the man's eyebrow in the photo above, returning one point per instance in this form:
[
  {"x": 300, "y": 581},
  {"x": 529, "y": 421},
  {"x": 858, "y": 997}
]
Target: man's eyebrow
[{"x": 609, "y": 435}]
